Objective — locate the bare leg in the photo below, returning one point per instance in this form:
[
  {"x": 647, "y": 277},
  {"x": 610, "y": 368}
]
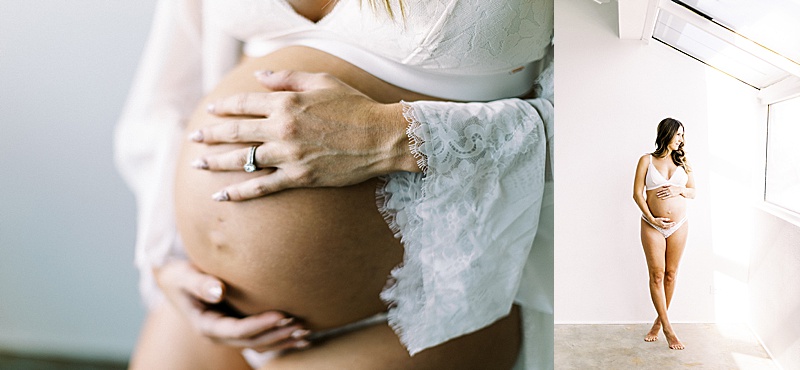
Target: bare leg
[
  {"x": 377, "y": 347},
  {"x": 167, "y": 342},
  {"x": 676, "y": 243},
  {"x": 673, "y": 257},
  {"x": 669, "y": 288},
  {"x": 655, "y": 247}
]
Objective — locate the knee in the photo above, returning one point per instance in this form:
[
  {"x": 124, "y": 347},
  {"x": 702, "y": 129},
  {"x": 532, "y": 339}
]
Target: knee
[
  {"x": 656, "y": 277},
  {"x": 670, "y": 276}
]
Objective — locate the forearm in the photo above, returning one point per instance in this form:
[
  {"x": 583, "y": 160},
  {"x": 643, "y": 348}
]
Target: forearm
[
  {"x": 641, "y": 202},
  {"x": 688, "y": 193}
]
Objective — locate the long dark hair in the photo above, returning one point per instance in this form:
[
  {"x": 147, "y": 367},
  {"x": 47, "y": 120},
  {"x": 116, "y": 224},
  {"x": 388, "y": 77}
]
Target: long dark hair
[{"x": 667, "y": 129}]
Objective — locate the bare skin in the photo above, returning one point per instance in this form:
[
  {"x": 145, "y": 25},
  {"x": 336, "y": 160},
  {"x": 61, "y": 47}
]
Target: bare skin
[
  {"x": 664, "y": 207},
  {"x": 321, "y": 255},
  {"x": 663, "y": 257},
  {"x": 169, "y": 342}
]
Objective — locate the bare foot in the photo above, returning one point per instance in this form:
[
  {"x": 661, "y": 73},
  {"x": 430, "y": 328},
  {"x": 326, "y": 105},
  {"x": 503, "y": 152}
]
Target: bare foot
[
  {"x": 652, "y": 335},
  {"x": 673, "y": 341}
]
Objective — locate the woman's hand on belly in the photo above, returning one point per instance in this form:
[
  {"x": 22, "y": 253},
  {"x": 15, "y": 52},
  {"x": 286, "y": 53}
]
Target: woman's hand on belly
[
  {"x": 669, "y": 191},
  {"x": 198, "y": 295},
  {"x": 662, "y": 222},
  {"x": 316, "y": 131}
]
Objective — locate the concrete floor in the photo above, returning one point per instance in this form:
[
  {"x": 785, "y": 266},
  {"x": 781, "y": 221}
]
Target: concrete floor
[{"x": 708, "y": 346}]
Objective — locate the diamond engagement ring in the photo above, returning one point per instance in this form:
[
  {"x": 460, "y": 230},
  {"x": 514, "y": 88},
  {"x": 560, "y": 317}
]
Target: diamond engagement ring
[{"x": 250, "y": 166}]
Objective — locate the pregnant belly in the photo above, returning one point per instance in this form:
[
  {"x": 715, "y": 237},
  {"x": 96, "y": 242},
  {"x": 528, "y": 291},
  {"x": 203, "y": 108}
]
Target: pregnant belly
[
  {"x": 672, "y": 208},
  {"x": 321, "y": 254}
]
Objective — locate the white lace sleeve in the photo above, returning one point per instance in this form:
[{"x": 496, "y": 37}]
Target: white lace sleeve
[
  {"x": 166, "y": 89},
  {"x": 467, "y": 223}
]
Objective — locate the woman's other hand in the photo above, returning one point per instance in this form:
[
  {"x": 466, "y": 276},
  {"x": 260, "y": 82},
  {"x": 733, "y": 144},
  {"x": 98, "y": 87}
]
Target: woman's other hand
[
  {"x": 662, "y": 222},
  {"x": 669, "y": 191},
  {"x": 195, "y": 294},
  {"x": 315, "y": 131}
]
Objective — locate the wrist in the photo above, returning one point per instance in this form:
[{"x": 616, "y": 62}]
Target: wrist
[{"x": 397, "y": 143}]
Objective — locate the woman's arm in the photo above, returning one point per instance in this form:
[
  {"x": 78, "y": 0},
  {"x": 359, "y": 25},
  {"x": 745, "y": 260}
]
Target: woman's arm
[
  {"x": 639, "y": 194},
  {"x": 638, "y": 187},
  {"x": 167, "y": 87},
  {"x": 689, "y": 190}
]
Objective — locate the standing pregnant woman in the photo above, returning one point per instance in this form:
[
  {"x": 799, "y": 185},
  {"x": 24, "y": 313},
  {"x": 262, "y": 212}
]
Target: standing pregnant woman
[
  {"x": 296, "y": 254},
  {"x": 663, "y": 182}
]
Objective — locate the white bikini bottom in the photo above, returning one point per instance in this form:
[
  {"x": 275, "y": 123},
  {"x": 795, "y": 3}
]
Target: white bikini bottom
[
  {"x": 667, "y": 232},
  {"x": 258, "y": 359}
]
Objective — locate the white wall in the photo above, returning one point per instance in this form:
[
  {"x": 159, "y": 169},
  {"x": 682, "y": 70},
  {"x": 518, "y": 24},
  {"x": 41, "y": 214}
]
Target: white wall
[
  {"x": 775, "y": 288},
  {"x": 67, "y": 283},
  {"x": 611, "y": 94}
]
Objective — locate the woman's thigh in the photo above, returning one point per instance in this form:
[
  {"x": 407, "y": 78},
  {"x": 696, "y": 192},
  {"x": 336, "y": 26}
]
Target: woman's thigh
[
  {"x": 654, "y": 246},
  {"x": 676, "y": 243},
  {"x": 168, "y": 342},
  {"x": 377, "y": 347}
]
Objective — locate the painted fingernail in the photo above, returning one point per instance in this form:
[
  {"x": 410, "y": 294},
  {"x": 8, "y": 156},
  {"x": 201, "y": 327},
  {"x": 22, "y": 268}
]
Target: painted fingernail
[
  {"x": 300, "y": 333},
  {"x": 210, "y": 108},
  {"x": 302, "y": 344},
  {"x": 214, "y": 292},
  {"x": 285, "y": 321},
  {"x": 196, "y": 135},
  {"x": 263, "y": 73},
  {"x": 221, "y": 196},
  {"x": 200, "y": 164}
]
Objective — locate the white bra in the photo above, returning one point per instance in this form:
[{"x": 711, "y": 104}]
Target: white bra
[
  {"x": 470, "y": 50},
  {"x": 654, "y": 179}
]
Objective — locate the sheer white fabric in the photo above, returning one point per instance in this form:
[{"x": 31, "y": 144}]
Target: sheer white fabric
[
  {"x": 469, "y": 222},
  {"x": 493, "y": 220}
]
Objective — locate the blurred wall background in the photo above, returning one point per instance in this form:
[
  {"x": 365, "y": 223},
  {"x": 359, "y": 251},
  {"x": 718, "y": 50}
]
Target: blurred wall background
[{"x": 67, "y": 281}]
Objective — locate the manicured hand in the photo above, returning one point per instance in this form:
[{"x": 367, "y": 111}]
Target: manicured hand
[
  {"x": 194, "y": 294},
  {"x": 663, "y": 222},
  {"x": 315, "y": 131},
  {"x": 669, "y": 191}
]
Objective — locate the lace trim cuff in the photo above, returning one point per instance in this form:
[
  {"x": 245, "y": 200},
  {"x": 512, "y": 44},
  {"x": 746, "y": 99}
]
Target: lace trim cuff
[{"x": 415, "y": 140}]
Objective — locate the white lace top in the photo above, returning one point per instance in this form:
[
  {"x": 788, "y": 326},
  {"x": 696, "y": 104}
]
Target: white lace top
[{"x": 467, "y": 224}]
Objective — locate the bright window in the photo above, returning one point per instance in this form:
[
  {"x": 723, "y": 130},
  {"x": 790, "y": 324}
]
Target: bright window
[{"x": 783, "y": 155}]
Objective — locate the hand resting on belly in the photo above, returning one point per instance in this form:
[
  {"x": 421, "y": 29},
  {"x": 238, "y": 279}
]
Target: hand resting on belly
[{"x": 321, "y": 254}]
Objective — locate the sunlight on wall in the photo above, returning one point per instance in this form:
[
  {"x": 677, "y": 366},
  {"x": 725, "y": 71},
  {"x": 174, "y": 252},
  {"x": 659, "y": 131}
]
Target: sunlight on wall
[{"x": 733, "y": 117}]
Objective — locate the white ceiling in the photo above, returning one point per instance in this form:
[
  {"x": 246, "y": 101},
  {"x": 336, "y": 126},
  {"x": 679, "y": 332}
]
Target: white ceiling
[{"x": 756, "y": 42}]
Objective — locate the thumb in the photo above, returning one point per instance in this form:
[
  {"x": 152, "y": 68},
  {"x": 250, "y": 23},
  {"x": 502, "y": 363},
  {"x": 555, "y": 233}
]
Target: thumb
[
  {"x": 211, "y": 289},
  {"x": 294, "y": 80},
  {"x": 203, "y": 286}
]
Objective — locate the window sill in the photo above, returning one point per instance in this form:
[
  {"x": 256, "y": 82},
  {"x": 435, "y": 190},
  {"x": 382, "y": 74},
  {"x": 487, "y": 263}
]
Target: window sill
[{"x": 780, "y": 212}]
